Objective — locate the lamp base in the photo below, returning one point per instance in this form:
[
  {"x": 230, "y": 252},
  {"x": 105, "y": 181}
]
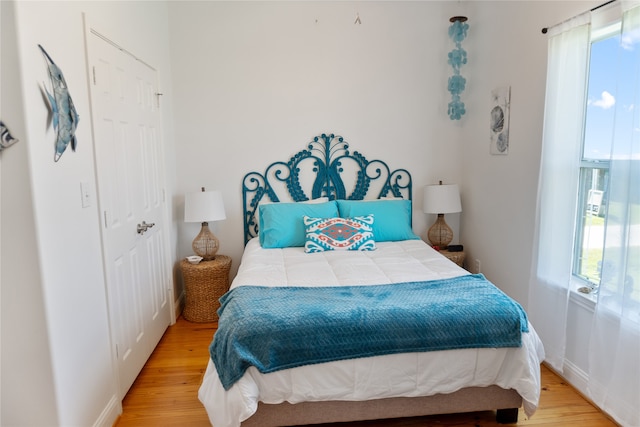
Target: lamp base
[
  {"x": 206, "y": 244},
  {"x": 440, "y": 234}
]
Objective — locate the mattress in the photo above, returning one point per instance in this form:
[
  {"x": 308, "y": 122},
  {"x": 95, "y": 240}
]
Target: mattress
[{"x": 397, "y": 375}]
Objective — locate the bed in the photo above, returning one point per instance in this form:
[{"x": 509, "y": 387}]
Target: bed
[{"x": 380, "y": 330}]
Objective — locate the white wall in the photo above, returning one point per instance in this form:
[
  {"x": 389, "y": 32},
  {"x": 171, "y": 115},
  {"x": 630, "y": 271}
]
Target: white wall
[
  {"x": 256, "y": 81},
  {"x": 26, "y": 372},
  {"x": 62, "y": 265}
]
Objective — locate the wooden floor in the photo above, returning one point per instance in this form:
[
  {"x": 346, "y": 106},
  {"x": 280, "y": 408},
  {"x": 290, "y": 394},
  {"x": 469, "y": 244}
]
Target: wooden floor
[{"x": 165, "y": 393}]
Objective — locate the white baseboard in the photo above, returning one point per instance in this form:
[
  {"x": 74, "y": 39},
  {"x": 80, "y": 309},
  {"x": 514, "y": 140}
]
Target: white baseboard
[
  {"x": 578, "y": 379},
  {"x": 110, "y": 413},
  {"x": 575, "y": 376},
  {"x": 179, "y": 304}
]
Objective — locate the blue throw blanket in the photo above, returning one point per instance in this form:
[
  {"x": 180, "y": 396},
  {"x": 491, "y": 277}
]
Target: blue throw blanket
[{"x": 279, "y": 328}]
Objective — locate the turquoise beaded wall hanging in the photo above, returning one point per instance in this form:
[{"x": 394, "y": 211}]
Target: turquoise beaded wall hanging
[{"x": 457, "y": 58}]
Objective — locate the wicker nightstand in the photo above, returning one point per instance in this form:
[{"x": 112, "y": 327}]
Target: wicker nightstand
[
  {"x": 204, "y": 284},
  {"x": 457, "y": 257}
]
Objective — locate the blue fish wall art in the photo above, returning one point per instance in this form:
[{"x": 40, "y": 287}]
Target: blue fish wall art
[{"x": 65, "y": 117}]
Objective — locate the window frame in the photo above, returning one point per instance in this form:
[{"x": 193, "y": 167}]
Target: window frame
[{"x": 587, "y": 165}]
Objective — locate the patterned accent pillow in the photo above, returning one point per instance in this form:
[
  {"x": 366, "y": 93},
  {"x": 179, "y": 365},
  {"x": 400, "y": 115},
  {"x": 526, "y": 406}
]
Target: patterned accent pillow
[{"x": 339, "y": 234}]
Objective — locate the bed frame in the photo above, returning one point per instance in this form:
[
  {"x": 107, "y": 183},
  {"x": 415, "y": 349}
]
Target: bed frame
[
  {"x": 326, "y": 168},
  {"x": 470, "y": 399}
]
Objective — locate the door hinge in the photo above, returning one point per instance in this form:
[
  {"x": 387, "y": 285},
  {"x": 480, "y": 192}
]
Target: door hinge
[
  {"x": 94, "y": 75},
  {"x": 106, "y": 224},
  {"x": 117, "y": 352}
]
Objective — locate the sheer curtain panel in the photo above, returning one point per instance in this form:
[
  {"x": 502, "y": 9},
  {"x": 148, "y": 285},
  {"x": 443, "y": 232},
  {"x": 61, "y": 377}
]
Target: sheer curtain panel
[
  {"x": 614, "y": 348},
  {"x": 613, "y": 372},
  {"x": 558, "y": 184}
]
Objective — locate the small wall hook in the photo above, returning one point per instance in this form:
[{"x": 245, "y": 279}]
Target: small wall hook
[{"x": 357, "y": 21}]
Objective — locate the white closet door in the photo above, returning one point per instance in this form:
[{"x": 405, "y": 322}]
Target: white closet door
[{"x": 128, "y": 155}]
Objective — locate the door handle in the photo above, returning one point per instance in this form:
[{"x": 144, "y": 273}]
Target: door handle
[{"x": 141, "y": 228}]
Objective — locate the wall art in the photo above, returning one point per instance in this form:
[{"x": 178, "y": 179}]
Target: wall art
[
  {"x": 499, "y": 120},
  {"x": 6, "y": 139},
  {"x": 457, "y": 58},
  {"x": 65, "y": 117}
]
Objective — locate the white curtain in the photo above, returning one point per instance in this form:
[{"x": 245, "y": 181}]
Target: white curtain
[
  {"x": 614, "y": 349},
  {"x": 613, "y": 377},
  {"x": 558, "y": 184}
]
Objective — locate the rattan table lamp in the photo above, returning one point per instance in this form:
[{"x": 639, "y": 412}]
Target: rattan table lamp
[
  {"x": 441, "y": 199},
  {"x": 204, "y": 206}
]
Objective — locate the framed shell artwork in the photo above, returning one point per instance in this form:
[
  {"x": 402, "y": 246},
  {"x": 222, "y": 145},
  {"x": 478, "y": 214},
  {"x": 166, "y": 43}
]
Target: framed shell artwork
[{"x": 499, "y": 120}]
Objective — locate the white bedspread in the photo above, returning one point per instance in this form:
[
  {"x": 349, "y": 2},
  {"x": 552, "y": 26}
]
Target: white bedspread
[{"x": 408, "y": 375}]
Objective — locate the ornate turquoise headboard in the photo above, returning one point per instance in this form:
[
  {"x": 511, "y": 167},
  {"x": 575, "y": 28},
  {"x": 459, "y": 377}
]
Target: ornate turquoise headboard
[{"x": 326, "y": 168}]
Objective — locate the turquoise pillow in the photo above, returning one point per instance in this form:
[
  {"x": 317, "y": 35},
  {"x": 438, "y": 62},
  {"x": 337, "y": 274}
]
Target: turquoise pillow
[
  {"x": 281, "y": 225},
  {"x": 339, "y": 234},
  {"x": 393, "y": 217}
]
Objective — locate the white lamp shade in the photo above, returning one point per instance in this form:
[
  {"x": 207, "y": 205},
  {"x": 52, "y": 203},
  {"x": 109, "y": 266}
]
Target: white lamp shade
[
  {"x": 442, "y": 199},
  {"x": 204, "y": 206}
]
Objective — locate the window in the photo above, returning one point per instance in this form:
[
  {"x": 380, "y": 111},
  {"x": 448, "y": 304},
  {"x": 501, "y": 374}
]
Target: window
[
  {"x": 611, "y": 76},
  {"x": 595, "y": 158}
]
